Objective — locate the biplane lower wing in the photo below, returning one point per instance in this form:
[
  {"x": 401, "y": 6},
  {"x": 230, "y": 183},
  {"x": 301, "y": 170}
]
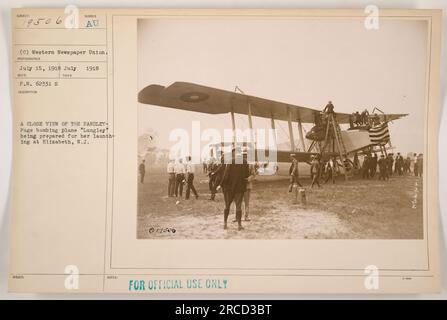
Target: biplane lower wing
[
  {"x": 284, "y": 156},
  {"x": 263, "y": 155},
  {"x": 198, "y": 98}
]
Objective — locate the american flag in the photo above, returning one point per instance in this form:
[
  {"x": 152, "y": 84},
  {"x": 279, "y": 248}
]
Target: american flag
[{"x": 379, "y": 134}]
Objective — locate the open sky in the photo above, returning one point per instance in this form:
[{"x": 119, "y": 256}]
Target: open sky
[{"x": 302, "y": 62}]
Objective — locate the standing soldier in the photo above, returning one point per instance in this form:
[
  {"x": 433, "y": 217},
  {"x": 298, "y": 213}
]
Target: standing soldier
[
  {"x": 401, "y": 164},
  {"x": 142, "y": 170},
  {"x": 420, "y": 164},
  {"x": 357, "y": 119},
  {"x": 190, "y": 170},
  {"x": 366, "y": 167},
  {"x": 373, "y": 164},
  {"x": 293, "y": 173},
  {"x": 179, "y": 177},
  {"x": 390, "y": 164},
  {"x": 234, "y": 185},
  {"x": 331, "y": 167},
  {"x": 212, "y": 166},
  {"x": 383, "y": 168},
  {"x": 171, "y": 178},
  {"x": 398, "y": 164},
  {"x": 329, "y": 109},
  {"x": 315, "y": 172},
  {"x": 407, "y": 165},
  {"x": 415, "y": 164},
  {"x": 365, "y": 117}
]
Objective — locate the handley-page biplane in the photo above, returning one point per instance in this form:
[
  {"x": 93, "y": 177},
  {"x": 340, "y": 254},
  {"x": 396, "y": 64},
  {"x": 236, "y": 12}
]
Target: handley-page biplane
[{"x": 366, "y": 133}]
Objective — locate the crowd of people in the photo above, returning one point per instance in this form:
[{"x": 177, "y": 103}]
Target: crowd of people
[
  {"x": 235, "y": 179},
  {"x": 325, "y": 170},
  {"x": 358, "y": 119},
  {"x": 181, "y": 173},
  {"x": 320, "y": 171},
  {"x": 390, "y": 164}
]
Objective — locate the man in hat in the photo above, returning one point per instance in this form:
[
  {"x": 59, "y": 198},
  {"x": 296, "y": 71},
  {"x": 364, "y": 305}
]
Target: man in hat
[
  {"x": 390, "y": 164},
  {"x": 329, "y": 108},
  {"x": 234, "y": 185},
  {"x": 398, "y": 166},
  {"x": 383, "y": 168},
  {"x": 364, "y": 116},
  {"x": 366, "y": 167},
  {"x": 142, "y": 170},
  {"x": 373, "y": 165},
  {"x": 315, "y": 169},
  {"x": 190, "y": 170},
  {"x": 171, "y": 177},
  {"x": 357, "y": 119},
  {"x": 420, "y": 164},
  {"x": 331, "y": 168},
  {"x": 179, "y": 170},
  {"x": 407, "y": 164},
  {"x": 415, "y": 167},
  {"x": 293, "y": 172}
]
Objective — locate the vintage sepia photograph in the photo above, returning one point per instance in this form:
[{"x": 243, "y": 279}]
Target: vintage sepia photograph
[
  {"x": 281, "y": 128},
  {"x": 226, "y": 151}
]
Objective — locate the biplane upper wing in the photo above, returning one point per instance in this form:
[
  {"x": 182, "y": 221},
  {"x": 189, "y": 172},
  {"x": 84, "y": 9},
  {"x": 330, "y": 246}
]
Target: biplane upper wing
[
  {"x": 194, "y": 97},
  {"x": 198, "y": 98},
  {"x": 384, "y": 117},
  {"x": 390, "y": 117}
]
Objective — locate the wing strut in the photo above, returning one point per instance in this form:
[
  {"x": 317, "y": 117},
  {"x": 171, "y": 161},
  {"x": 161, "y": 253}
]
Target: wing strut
[
  {"x": 233, "y": 126},
  {"x": 274, "y": 129},
  {"x": 250, "y": 124},
  {"x": 300, "y": 132},
  {"x": 249, "y": 114},
  {"x": 292, "y": 140}
]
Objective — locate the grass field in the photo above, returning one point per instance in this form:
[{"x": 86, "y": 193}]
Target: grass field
[{"x": 354, "y": 209}]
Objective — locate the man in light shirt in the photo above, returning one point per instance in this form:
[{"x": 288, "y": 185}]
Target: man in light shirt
[
  {"x": 179, "y": 170},
  {"x": 171, "y": 179},
  {"x": 190, "y": 170},
  {"x": 331, "y": 169}
]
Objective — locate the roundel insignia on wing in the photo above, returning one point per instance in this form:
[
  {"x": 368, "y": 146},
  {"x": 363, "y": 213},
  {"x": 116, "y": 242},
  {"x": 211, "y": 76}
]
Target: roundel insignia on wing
[{"x": 194, "y": 97}]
